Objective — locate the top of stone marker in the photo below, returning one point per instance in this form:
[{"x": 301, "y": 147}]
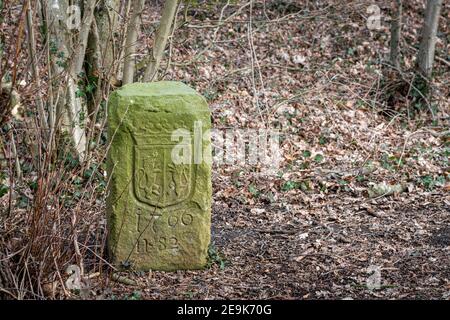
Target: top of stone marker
[{"x": 160, "y": 88}]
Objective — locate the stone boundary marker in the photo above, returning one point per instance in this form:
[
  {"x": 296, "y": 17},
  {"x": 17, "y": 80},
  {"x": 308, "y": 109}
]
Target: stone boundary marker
[{"x": 158, "y": 209}]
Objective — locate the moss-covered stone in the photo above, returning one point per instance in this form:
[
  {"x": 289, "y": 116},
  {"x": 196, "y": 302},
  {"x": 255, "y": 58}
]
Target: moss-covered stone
[{"x": 159, "y": 210}]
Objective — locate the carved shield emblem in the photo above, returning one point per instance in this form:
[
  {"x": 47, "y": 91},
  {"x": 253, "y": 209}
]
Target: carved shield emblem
[{"x": 157, "y": 180}]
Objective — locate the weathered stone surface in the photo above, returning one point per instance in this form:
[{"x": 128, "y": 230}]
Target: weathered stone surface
[{"x": 159, "y": 210}]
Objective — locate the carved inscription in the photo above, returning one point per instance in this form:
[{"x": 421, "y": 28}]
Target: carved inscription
[
  {"x": 158, "y": 244},
  {"x": 152, "y": 229},
  {"x": 184, "y": 219}
]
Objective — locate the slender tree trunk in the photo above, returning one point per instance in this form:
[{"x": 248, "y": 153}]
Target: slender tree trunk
[
  {"x": 425, "y": 56},
  {"x": 396, "y": 27},
  {"x": 137, "y": 6},
  {"x": 77, "y": 108},
  {"x": 58, "y": 37},
  {"x": 72, "y": 106},
  {"x": 80, "y": 50},
  {"x": 34, "y": 65},
  {"x": 100, "y": 56},
  {"x": 107, "y": 23},
  {"x": 167, "y": 18}
]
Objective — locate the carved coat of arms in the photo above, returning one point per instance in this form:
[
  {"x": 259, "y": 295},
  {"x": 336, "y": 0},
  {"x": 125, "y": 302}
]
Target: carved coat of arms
[{"x": 157, "y": 180}]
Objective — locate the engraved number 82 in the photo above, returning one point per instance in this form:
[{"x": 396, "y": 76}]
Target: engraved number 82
[{"x": 164, "y": 243}]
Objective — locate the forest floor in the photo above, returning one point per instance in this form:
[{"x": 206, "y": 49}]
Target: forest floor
[
  {"x": 317, "y": 247},
  {"x": 320, "y": 228},
  {"x": 360, "y": 207}
]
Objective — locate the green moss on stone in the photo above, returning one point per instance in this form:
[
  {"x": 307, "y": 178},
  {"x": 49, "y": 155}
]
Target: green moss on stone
[{"x": 159, "y": 213}]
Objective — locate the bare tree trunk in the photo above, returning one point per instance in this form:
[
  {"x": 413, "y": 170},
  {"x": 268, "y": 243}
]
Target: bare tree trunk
[
  {"x": 100, "y": 56},
  {"x": 167, "y": 18},
  {"x": 72, "y": 105},
  {"x": 77, "y": 108},
  {"x": 58, "y": 36},
  {"x": 34, "y": 65},
  {"x": 80, "y": 49},
  {"x": 425, "y": 56},
  {"x": 396, "y": 27},
  {"x": 137, "y": 6},
  {"x": 107, "y": 23}
]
